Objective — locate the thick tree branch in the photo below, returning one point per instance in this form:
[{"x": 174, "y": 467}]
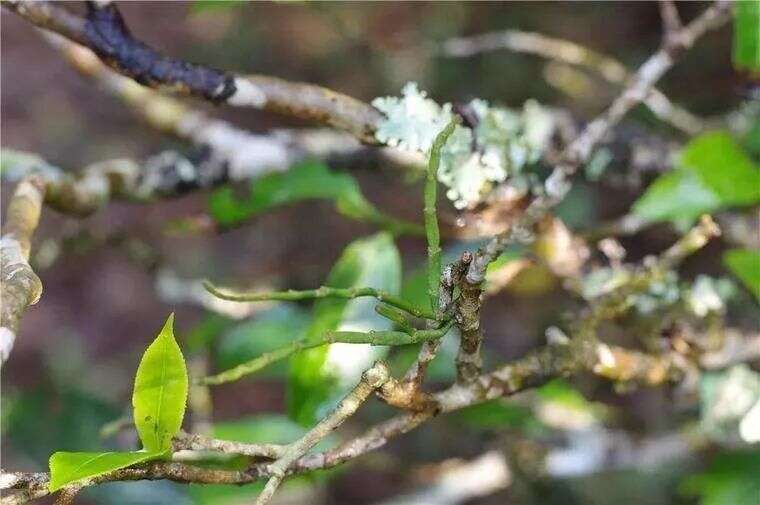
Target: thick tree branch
[
  {"x": 19, "y": 286},
  {"x": 105, "y": 33}
]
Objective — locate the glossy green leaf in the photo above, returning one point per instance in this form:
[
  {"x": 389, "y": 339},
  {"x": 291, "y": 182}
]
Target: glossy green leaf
[
  {"x": 745, "y": 264},
  {"x": 160, "y": 391},
  {"x": 712, "y": 173},
  {"x": 746, "y": 51},
  {"x": 69, "y": 467},
  {"x": 306, "y": 181},
  {"x": 313, "y": 380}
]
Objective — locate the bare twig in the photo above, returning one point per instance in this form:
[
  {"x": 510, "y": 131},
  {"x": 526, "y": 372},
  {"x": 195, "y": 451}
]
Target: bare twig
[
  {"x": 571, "y": 53},
  {"x": 197, "y": 442},
  {"x": 372, "y": 379},
  {"x": 671, "y": 21}
]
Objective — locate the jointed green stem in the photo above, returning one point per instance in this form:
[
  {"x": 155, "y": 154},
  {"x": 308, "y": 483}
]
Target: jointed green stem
[
  {"x": 321, "y": 292},
  {"x": 256, "y": 364},
  {"x": 431, "y": 214},
  {"x": 331, "y": 337}
]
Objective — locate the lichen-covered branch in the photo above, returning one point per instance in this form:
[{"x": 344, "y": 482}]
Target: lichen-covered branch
[
  {"x": 19, "y": 284},
  {"x": 168, "y": 174},
  {"x": 104, "y": 31}
]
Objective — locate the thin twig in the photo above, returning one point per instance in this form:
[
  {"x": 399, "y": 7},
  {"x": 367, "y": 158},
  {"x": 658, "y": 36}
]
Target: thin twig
[
  {"x": 391, "y": 338},
  {"x": 320, "y": 292},
  {"x": 671, "y": 21},
  {"x": 198, "y": 442},
  {"x": 371, "y": 379},
  {"x": 572, "y": 53}
]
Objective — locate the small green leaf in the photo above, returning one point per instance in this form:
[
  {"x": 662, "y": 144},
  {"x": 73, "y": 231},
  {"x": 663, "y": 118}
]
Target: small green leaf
[
  {"x": 306, "y": 181},
  {"x": 160, "y": 392},
  {"x": 746, "y": 53},
  {"x": 745, "y": 264},
  {"x": 369, "y": 262},
  {"x": 712, "y": 173},
  {"x": 69, "y": 467},
  {"x": 676, "y": 195}
]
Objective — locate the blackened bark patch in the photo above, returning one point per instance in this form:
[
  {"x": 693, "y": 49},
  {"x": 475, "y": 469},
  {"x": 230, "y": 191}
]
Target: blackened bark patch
[{"x": 109, "y": 37}]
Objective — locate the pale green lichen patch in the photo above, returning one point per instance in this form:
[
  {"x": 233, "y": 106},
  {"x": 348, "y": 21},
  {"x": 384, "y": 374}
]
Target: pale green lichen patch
[{"x": 497, "y": 150}]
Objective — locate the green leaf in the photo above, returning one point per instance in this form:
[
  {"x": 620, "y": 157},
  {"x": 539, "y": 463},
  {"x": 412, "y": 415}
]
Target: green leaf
[
  {"x": 313, "y": 380},
  {"x": 746, "y": 52},
  {"x": 712, "y": 173},
  {"x": 160, "y": 392},
  {"x": 724, "y": 167},
  {"x": 306, "y": 181},
  {"x": 730, "y": 479},
  {"x": 69, "y": 467},
  {"x": 676, "y": 195},
  {"x": 745, "y": 264}
]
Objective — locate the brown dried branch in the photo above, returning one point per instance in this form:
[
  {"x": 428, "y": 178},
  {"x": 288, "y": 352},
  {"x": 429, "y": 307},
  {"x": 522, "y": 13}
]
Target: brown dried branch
[{"x": 106, "y": 34}]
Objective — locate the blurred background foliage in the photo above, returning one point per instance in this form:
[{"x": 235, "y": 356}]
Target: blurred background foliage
[{"x": 111, "y": 279}]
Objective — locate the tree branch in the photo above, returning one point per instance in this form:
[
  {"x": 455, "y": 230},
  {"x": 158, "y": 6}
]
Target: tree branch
[
  {"x": 571, "y": 53},
  {"x": 107, "y": 35},
  {"x": 371, "y": 379},
  {"x": 20, "y": 286},
  {"x": 581, "y": 148}
]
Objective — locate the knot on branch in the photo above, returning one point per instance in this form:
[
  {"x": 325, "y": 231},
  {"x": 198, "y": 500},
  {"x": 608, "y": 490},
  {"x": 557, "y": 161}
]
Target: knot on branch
[{"x": 408, "y": 396}]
